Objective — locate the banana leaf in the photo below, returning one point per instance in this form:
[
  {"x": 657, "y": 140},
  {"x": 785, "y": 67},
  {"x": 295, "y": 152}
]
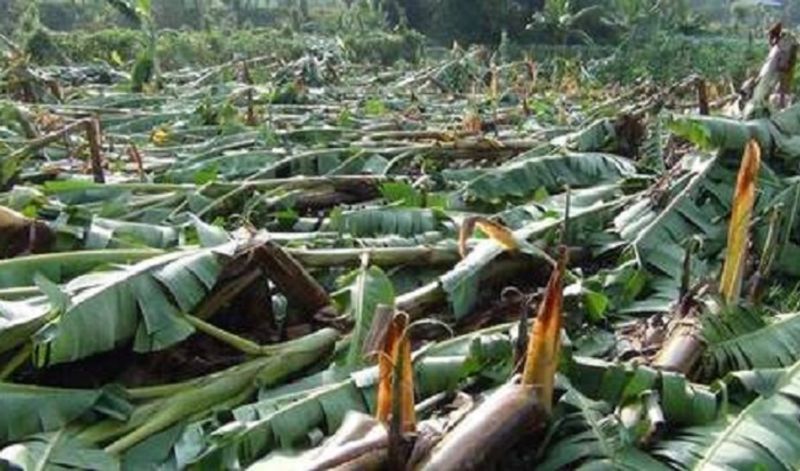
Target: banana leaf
[
  {"x": 370, "y": 287},
  {"x": 592, "y": 437},
  {"x": 522, "y": 178},
  {"x": 141, "y": 303},
  {"x": 764, "y": 434},
  {"x": 370, "y": 222},
  {"x": 108, "y": 233},
  {"x": 658, "y": 231},
  {"x": 56, "y": 451},
  {"x": 743, "y": 339},
  {"x": 61, "y": 267},
  {"x": 230, "y": 166},
  {"x": 288, "y": 416},
  {"x": 19, "y": 320},
  {"x": 587, "y": 432},
  {"x": 461, "y": 283},
  {"x": 28, "y": 410},
  {"x": 780, "y": 133}
]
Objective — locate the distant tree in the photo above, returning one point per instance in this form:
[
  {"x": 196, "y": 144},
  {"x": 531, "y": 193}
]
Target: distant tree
[
  {"x": 531, "y": 5},
  {"x": 480, "y": 21},
  {"x": 127, "y": 11},
  {"x": 393, "y": 11},
  {"x": 236, "y": 9},
  {"x": 11, "y": 10}
]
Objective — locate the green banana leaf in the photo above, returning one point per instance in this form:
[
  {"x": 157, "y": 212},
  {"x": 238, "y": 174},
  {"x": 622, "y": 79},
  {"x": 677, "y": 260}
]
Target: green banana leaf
[
  {"x": 57, "y": 451},
  {"x": 19, "y": 320},
  {"x": 371, "y": 222},
  {"x": 587, "y": 430},
  {"x": 28, "y": 410},
  {"x": 288, "y": 416},
  {"x": 462, "y": 282},
  {"x": 61, "y": 267},
  {"x": 744, "y": 339},
  {"x": 593, "y": 438},
  {"x": 778, "y": 136},
  {"x": 763, "y": 435},
  {"x": 141, "y": 303},
  {"x": 368, "y": 287},
  {"x": 522, "y": 178}
]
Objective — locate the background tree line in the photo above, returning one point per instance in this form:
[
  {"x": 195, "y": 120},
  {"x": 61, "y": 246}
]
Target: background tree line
[{"x": 557, "y": 22}]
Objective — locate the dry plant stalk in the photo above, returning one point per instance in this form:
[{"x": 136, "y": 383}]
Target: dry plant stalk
[
  {"x": 496, "y": 232},
  {"x": 292, "y": 279},
  {"x": 136, "y": 157},
  {"x": 739, "y": 227},
  {"x": 702, "y": 96},
  {"x": 471, "y": 122},
  {"x": 94, "y": 137},
  {"x": 541, "y": 361}
]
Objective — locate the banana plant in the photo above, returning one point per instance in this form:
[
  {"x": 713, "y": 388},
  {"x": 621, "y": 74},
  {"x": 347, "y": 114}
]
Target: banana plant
[{"x": 560, "y": 19}]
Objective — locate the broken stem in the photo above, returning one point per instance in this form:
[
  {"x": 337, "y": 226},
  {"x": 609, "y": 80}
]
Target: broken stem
[
  {"x": 226, "y": 293},
  {"x": 16, "y": 361},
  {"x": 94, "y": 137},
  {"x": 237, "y": 382},
  {"x": 242, "y": 344},
  {"x": 381, "y": 256}
]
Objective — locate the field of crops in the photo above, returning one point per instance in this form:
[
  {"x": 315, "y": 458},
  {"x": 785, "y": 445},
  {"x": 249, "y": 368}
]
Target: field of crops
[{"x": 365, "y": 253}]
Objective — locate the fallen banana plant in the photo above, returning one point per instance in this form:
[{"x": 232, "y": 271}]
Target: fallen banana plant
[
  {"x": 182, "y": 401},
  {"x": 174, "y": 258},
  {"x": 685, "y": 346},
  {"x": 505, "y": 417},
  {"x": 516, "y": 410},
  {"x": 22, "y": 235}
]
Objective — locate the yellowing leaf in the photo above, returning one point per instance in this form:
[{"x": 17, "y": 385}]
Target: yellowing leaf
[
  {"x": 544, "y": 346},
  {"x": 739, "y": 226},
  {"x": 498, "y": 233},
  {"x": 116, "y": 59},
  {"x": 383, "y": 408},
  {"x": 396, "y": 376},
  {"x": 159, "y": 137}
]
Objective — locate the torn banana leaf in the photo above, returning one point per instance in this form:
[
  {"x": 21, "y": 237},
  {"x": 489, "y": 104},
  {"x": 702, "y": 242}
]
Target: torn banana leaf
[
  {"x": 141, "y": 303},
  {"x": 779, "y": 134}
]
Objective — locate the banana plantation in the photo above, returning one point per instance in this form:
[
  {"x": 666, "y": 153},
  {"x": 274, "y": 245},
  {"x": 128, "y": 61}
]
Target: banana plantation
[{"x": 399, "y": 235}]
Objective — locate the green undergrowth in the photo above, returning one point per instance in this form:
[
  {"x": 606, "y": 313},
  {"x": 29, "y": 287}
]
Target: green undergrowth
[{"x": 180, "y": 49}]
